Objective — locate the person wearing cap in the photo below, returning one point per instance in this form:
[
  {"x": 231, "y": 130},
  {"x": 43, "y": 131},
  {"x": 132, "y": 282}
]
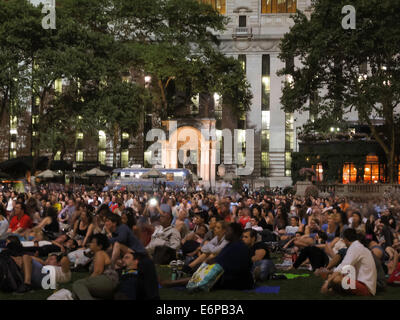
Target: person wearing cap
[{"x": 165, "y": 236}]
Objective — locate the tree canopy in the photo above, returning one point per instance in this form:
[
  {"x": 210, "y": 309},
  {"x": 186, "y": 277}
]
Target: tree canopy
[
  {"x": 354, "y": 69},
  {"x": 103, "y": 49}
]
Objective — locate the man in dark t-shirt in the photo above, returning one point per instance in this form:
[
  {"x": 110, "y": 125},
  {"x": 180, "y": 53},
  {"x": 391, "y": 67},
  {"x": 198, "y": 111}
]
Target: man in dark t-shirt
[{"x": 263, "y": 266}]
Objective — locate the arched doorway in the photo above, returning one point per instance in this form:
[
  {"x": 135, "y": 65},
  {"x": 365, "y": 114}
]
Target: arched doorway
[{"x": 188, "y": 148}]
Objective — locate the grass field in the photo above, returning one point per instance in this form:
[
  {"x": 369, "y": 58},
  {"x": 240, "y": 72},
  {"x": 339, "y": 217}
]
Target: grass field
[{"x": 299, "y": 288}]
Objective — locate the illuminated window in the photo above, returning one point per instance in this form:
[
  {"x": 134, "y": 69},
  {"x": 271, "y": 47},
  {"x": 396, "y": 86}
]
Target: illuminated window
[
  {"x": 79, "y": 156},
  {"x": 242, "y": 59},
  {"x": 265, "y": 121},
  {"x": 266, "y": 82},
  {"x": 147, "y": 158},
  {"x": 373, "y": 172},
  {"x": 124, "y": 158},
  {"x": 278, "y": 6},
  {"x": 57, "y": 156},
  {"x": 264, "y": 164},
  {"x": 13, "y": 123},
  {"x": 219, "y": 5},
  {"x": 265, "y": 114},
  {"x": 125, "y": 135},
  {"x": 58, "y": 85},
  {"x": 288, "y": 164},
  {"x": 289, "y": 132},
  {"x": 13, "y": 154},
  {"x": 218, "y": 106},
  {"x": 319, "y": 171},
  {"x": 349, "y": 173},
  {"x": 79, "y": 135},
  {"x": 102, "y": 156},
  {"x": 195, "y": 107},
  {"x": 102, "y": 139}
]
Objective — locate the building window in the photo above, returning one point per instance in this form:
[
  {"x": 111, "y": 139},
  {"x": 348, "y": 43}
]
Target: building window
[
  {"x": 195, "y": 106},
  {"x": 265, "y": 120},
  {"x": 289, "y": 141},
  {"x": 102, "y": 139},
  {"x": 278, "y": 6},
  {"x": 264, "y": 164},
  {"x": 242, "y": 59},
  {"x": 219, "y": 5},
  {"x": 265, "y": 114},
  {"x": 124, "y": 158},
  {"x": 147, "y": 159},
  {"x": 266, "y": 82},
  {"x": 57, "y": 156},
  {"x": 79, "y": 135},
  {"x": 242, "y": 21},
  {"x": 217, "y": 106},
  {"x": 288, "y": 164},
  {"x": 13, "y": 154},
  {"x": 373, "y": 171},
  {"x": 79, "y": 156},
  {"x": 319, "y": 172},
  {"x": 289, "y": 132},
  {"x": 349, "y": 173},
  {"x": 314, "y": 101},
  {"x": 58, "y": 86},
  {"x": 125, "y": 135},
  {"x": 102, "y": 156}
]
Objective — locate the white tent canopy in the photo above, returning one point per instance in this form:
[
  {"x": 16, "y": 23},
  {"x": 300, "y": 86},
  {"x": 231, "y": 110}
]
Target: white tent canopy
[
  {"x": 47, "y": 174},
  {"x": 95, "y": 172}
]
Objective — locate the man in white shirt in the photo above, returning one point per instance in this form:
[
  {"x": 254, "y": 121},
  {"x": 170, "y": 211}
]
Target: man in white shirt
[{"x": 359, "y": 257}]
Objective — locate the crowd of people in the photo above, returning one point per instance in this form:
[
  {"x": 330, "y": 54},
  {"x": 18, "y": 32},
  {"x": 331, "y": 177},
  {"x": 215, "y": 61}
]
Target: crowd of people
[{"x": 119, "y": 237}]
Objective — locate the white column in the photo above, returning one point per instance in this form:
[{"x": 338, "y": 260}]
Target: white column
[
  {"x": 277, "y": 125},
  {"x": 253, "y": 73}
]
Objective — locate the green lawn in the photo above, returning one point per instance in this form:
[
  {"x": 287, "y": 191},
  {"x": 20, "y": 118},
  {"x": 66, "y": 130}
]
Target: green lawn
[{"x": 299, "y": 288}]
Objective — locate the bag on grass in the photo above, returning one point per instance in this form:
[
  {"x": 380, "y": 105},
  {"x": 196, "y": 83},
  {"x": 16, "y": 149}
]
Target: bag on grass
[
  {"x": 394, "y": 278},
  {"x": 11, "y": 277},
  {"x": 205, "y": 277},
  {"x": 63, "y": 294}
]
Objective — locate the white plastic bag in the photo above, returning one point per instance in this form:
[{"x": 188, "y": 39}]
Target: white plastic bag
[{"x": 62, "y": 294}]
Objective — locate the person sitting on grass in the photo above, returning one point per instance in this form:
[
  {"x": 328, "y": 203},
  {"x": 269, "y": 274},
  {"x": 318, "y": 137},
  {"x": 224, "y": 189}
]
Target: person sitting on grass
[
  {"x": 361, "y": 259},
  {"x": 263, "y": 266},
  {"x": 48, "y": 228},
  {"x": 235, "y": 259},
  {"x": 211, "y": 249},
  {"x": 103, "y": 280},
  {"x": 21, "y": 222},
  {"x": 138, "y": 278},
  {"x": 314, "y": 253},
  {"x": 121, "y": 238}
]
